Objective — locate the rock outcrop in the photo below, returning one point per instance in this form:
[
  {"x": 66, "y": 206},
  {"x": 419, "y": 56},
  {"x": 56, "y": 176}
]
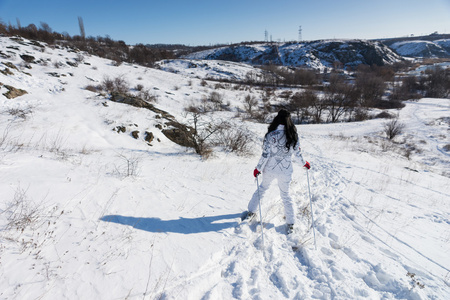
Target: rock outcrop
[{"x": 174, "y": 130}]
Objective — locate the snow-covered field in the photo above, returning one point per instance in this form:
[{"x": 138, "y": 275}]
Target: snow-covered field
[{"x": 74, "y": 225}]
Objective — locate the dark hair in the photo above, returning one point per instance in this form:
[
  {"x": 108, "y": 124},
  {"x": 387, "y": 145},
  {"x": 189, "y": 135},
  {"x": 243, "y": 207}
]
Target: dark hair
[{"x": 284, "y": 118}]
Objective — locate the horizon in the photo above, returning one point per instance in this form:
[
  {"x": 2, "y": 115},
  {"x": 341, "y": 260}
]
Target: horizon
[{"x": 202, "y": 23}]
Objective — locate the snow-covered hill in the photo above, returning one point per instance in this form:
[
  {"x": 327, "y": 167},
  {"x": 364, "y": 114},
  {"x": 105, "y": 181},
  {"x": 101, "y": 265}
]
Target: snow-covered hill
[
  {"x": 87, "y": 212},
  {"x": 316, "y": 54},
  {"x": 423, "y": 48},
  {"x": 212, "y": 69}
]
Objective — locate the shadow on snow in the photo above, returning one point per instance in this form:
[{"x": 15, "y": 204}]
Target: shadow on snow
[{"x": 181, "y": 225}]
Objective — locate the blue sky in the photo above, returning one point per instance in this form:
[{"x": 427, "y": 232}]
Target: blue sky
[{"x": 199, "y": 22}]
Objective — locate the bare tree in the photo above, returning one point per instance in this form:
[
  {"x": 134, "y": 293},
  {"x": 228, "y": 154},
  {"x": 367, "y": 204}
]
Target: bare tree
[
  {"x": 339, "y": 97},
  {"x": 371, "y": 87},
  {"x": 436, "y": 82},
  {"x": 300, "y": 104},
  {"x": 46, "y": 27},
  {"x": 81, "y": 25},
  {"x": 202, "y": 137}
]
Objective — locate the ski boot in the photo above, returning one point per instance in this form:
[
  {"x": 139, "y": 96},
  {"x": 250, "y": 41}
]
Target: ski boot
[
  {"x": 290, "y": 228},
  {"x": 248, "y": 216}
]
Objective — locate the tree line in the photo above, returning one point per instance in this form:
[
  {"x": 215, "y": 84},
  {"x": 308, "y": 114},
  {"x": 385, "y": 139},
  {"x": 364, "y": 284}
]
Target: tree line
[
  {"x": 347, "y": 96},
  {"x": 104, "y": 47}
]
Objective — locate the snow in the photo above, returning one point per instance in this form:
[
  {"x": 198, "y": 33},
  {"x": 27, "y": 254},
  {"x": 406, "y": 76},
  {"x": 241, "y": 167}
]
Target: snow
[
  {"x": 211, "y": 69},
  {"x": 85, "y": 230}
]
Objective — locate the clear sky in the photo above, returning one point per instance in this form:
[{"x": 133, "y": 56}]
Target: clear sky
[{"x": 201, "y": 22}]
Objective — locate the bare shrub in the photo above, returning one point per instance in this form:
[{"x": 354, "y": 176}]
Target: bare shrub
[
  {"x": 21, "y": 113},
  {"x": 414, "y": 281},
  {"x": 107, "y": 84},
  {"x": 235, "y": 139},
  {"x": 219, "y": 86},
  {"x": 360, "y": 114},
  {"x": 117, "y": 61},
  {"x": 93, "y": 88},
  {"x": 393, "y": 128},
  {"x": 384, "y": 115},
  {"x": 117, "y": 85},
  {"x": 21, "y": 213},
  {"x": 146, "y": 95},
  {"x": 57, "y": 64},
  {"x": 7, "y": 142},
  {"x": 249, "y": 104},
  {"x": 56, "y": 144},
  {"x": 216, "y": 100},
  {"x": 129, "y": 165},
  {"x": 79, "y": 58}
]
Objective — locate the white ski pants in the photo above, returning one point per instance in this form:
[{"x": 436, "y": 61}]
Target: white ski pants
[{"x": 284, "y": 180}]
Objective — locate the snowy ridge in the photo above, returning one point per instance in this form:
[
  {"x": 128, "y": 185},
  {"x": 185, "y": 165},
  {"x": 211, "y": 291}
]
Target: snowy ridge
[
  {"x": 74, "y": 225},
  {"x": 419, "y": 48},
  {"x": 316, "y": 54}
]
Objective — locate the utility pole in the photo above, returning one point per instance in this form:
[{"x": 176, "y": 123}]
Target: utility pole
[
  {"x": 266, "y": 36},
  {"x": 300, "y": 33}
]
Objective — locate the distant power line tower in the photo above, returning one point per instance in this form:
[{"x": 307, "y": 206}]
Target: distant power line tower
[
  {"x": 300, "y": 33},
  {"x": 266, "y": 35}
]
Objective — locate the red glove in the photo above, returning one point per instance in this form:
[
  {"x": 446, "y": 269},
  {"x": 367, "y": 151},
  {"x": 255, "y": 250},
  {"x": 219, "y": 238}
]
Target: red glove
[
  {"x": 256, "y": 172},
  {"x": 307, "y": 165}
]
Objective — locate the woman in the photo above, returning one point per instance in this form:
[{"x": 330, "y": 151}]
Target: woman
[{"x": 280, "y": 142}]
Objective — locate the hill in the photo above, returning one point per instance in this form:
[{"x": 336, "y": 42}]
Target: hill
[
  {"x": 430, "y": 46},
  {"x": 91, "y": 209},
  {"x": 315, "y": 54}
]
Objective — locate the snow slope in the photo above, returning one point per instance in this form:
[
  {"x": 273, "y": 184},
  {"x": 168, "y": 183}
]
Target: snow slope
[
  {"x": 421, "y": 48},
  {"x": 75, "y": 226},
  {"x": 210, "y": 69}
]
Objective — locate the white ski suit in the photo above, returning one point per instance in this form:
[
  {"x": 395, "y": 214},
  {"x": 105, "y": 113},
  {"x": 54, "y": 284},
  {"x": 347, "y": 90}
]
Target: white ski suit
[{"x": 275, "y": 163}]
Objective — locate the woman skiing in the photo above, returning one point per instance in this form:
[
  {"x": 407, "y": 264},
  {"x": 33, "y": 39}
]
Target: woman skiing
[{"x": 280, "y": 142}]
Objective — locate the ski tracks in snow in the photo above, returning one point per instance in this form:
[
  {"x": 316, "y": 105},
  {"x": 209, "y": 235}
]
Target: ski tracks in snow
[
  {"x": 351, "y": 260},
  {"x": 247, "y": 269}
]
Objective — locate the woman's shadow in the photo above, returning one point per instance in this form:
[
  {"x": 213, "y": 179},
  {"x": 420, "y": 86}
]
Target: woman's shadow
[{"x": 181, "y": 225}]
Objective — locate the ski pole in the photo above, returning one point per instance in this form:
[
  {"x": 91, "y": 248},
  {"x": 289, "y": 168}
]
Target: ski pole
[
  {"x": 260, "y": 213},
  {"x": 312, "y": 215}
]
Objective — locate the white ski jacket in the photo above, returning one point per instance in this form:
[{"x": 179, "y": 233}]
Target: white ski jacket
[{"x": 275, "y": 156}]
